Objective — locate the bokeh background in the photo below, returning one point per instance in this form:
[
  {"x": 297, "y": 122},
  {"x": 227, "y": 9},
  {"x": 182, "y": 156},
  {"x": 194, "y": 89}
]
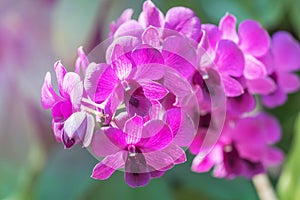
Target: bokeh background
[{"x": 36, "y": 33}]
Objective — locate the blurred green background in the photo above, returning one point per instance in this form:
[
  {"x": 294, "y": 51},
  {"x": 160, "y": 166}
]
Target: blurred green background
[{"x": 36, "y": 33}]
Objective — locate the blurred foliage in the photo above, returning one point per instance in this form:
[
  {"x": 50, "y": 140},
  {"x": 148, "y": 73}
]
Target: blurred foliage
[
  {"x": 289, "y": 182},
  {"x": 62, "y": 174}
]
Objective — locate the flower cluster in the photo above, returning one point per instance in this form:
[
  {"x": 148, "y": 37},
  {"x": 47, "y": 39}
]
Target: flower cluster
[{"x": 169, "y": 83}]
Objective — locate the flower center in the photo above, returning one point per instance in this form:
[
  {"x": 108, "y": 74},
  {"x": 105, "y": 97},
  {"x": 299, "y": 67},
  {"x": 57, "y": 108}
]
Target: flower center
[{"x": 131, "y": 150}]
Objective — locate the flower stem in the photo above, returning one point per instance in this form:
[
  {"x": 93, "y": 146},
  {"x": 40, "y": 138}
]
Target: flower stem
[{"x": 263, "y": 187}]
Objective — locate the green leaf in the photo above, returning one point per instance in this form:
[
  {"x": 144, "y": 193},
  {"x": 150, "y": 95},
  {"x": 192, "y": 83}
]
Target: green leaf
[{"x": 289, "y": 182}]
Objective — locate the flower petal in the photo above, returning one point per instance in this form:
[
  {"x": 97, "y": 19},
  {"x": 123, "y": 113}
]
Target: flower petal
[
  {"x": 60, "y": 72},
  {"x": 82, "y": 62},
  {"x": 79, "y": 127},
  {"x": 102, "y": 146},
  {"x": 254, "y": 39},
  {"x": 272, "y": 130},
  {"x": 151, "y": 37},
  {"x": 48, "y": 95},
  {"x": 273, "y": 157},
  {"x": 185, "y": 21},
  {"x": 262, "y": 86},
  {"x": 120, "y": 63},
  {"x": 275, "y": 99},
  {"x": 213, "y": 35},
  {"x": 151, "y": 15},
  {"x": 286, "y": 51},
  {"x": 70, "y": 82},
  {"x": 176, "y": 84},
  {"x": 100, "y": 81},
  {"x": 181, "y": 125},
  {"x": 229, "y": 58},
  {"x": 288, "y": 82},
  {"x": 129, "y": 28},
  {"x": 177, "y": 154},
  {"x": 146, "y": 55},
  {"x": 228, "y": 27},
  {"x": 153, "y": 90},
  {"x": 254, "y": 68},
  {"x": 241, "y": 104},
  {"x": 133, "y": 129},
  {"x": 116, "y": 136},
  {"x": 156, "y": 135},
  {"x": 232, "y": 87},
  {"x": 108, "y": 166},
  {"x": 159, "y": 160}
]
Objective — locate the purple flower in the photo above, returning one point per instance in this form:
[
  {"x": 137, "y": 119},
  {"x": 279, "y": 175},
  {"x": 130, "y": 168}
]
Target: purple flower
[
  {"x": 285, "y": 50},
  {"x": 69, "y": 124},
  {"x": 141, "y": 148},
  {"x": 243, "y": 148},
  {"x": 252, "y": 39},
  {"x": 225, "y": 56},
  {"x": 177, "y": 20}
]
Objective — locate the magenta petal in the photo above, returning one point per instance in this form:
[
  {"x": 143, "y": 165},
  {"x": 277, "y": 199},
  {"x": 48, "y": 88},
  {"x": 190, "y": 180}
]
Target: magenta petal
[
  {"x": 178, "y": 155},
  {"x": 273, "y": 156},
  {"x": 183, "y": 20},
  {"x": 129, "y": 28},
  {"x": 156, "y": 135},
  {"x": 228, "y": 27},
  {"x": 102, "y": 146},
  {"x": 133, "y": 129},
  {"x": 277, "y": 98},
  {"x": 181, "y": 125},
  {"x": 108, "y": 166},
  {"x": 125, "y": 16},
  {"x": 120, "y": 63},
  {"x": 151, "y": 37},
  {"x": 70, "y": 82},
  {"x": 82, "y": 62},
  {"x": 253, "y": 38},
  {"x": 89, "y": 131},
  {"x": 113, "y": 102},
  {"x": 60, "y": 72},
  {"x": 153, "y": 90},
  {"x": 214, "y": 35},
  {"x": 58, "y": 130},
  {"x": 151, "y": 15},
  {"x": 76, "y": 95},
  {"x": 229, "y": 58},
  {"x": 156, "y": 109},
  {"x": 176, "y": 84},
  {"x": 288, "y": 82},
  {"x": 179, "y": 63},
  {"x": 254, "y": 68},
  {"x": 79, "y": 127},
  {"x": 149, "y": 72},
  {"x": 203, "y": 164},
  {"x": 100, "y": 82},
  {"x": 232, "y": 87},
  {"x": 136, "y": 103},
  {"x": 159, "y": 160},
  {"x": 241, "y": 104},
  {"x": 116, "y": 136},
  {"x": 146, "y": 55},
  {"x": 262, "y": 86},
  {"x": 286, "y": 51},
  {"x": 48, "y": 95},
  {"x": 137, "y": 179},
  {"x": 272, "y": 130},
  {"x": 156, "y": 174}
]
